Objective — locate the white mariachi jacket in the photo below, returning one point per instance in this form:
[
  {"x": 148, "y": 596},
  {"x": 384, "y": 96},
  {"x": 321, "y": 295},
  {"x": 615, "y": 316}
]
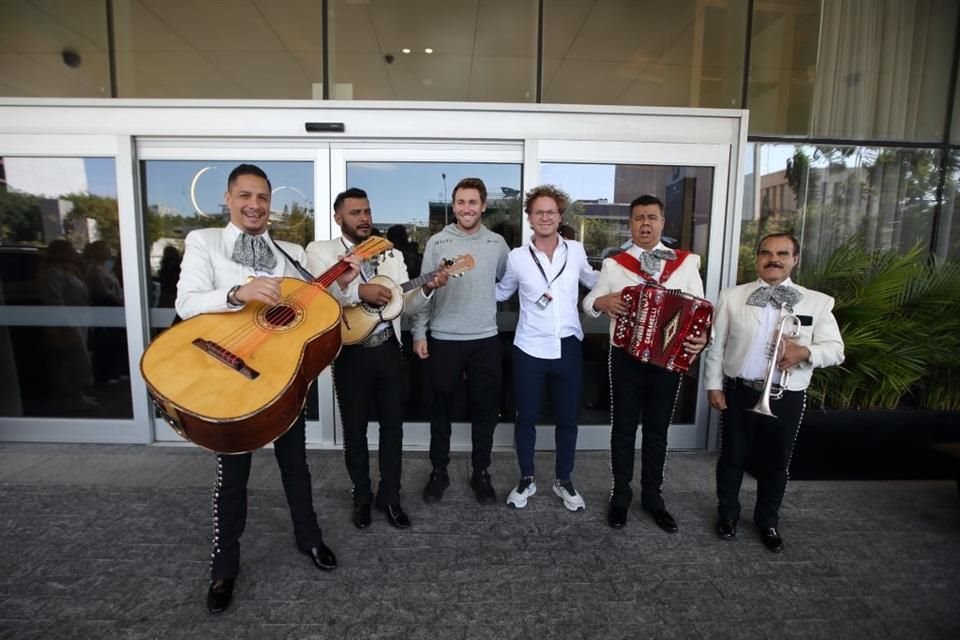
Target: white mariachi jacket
[
  {"x": 323, "y": 254},
  {"x": 735, "y": 325},
  {"x": 614, "y": 277},
  {"x": 207, "y": 272}
]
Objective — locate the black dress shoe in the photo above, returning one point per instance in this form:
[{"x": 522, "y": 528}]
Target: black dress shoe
[
  {"x": 322, "y": 557},
  {"x": 436, "y": 485},
  {"x": 664, "y": 520},
  {"x": 482, "y": 487},
  {"x": 395, "y": 516},
  {"x": 726, "y": 529},
  {"x": 219, "y": 595},
  {"x": 361, "y": 515},
  {"x": 617, "y": 516},
  {"x": 771, "y": 539}
]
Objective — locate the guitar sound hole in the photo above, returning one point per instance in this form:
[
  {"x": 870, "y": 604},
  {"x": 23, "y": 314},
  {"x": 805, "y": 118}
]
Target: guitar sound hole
[{"x": 280, "y": 316}]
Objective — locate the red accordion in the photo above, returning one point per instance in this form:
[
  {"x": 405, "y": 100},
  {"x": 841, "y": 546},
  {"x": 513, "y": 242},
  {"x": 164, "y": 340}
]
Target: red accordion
[{"x": 657, "y": 323}]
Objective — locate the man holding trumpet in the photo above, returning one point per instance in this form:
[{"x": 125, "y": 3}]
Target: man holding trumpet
[{"x": 768, "y": 336}]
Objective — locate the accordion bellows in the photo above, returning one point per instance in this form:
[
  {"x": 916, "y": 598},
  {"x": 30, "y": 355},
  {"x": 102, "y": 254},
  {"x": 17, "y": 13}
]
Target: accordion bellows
[{"x": 657, "y": 323}]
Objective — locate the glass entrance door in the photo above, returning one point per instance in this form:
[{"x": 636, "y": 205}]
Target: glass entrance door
[{"x": 602, "y": 180}]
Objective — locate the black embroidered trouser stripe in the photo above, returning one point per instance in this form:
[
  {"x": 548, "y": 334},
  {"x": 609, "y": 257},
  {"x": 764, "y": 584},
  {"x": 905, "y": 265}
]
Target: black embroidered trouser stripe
[
  {"x": 230, "y": 500},
  {"x": 763, "y": 444},
  {"x": 639, "y": 391}
]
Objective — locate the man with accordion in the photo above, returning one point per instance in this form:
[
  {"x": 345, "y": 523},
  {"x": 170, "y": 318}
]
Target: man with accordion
[{"x": 637, "y": 385}]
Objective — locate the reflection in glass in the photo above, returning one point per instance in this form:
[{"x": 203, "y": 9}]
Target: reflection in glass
[
  {"x": 433, "y": 50},
  {"x": 599, "y": 217},
  {"x": 413, "y": 200},
  {"x": 948, "y": 240},
  {"x": 687, "y": 53},
  {"x": 228, "y": 49},
  {"x": 63, "y": 349},
  {"x": 851, "y": 69},
  {"x": 825, "y": 195},
  {"x": 182, "y": 195}
]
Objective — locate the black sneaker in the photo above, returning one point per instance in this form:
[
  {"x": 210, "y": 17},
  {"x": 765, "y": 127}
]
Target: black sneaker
[
  {"x": 482, "y": 488},
  {"x": 436, "y": 485}
]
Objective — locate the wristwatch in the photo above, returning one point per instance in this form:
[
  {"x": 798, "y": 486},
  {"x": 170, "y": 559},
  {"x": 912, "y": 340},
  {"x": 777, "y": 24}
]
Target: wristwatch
[{"x": 232, "y": 296}]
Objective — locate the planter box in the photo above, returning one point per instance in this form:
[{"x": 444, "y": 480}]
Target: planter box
[{"x": 874, "y": 445}]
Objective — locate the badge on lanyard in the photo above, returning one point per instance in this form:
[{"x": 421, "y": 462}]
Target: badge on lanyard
[{"x": 545, "y": 300}]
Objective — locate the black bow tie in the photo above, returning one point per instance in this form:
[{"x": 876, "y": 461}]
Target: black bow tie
[
  {"x": 253, "y": 252},
  {"x": 780, "y": 295},
  {"x": 652, "y": 261}
]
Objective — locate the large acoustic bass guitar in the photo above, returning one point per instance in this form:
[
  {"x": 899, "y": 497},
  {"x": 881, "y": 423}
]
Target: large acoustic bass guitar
[
  {"x": 360, "y": 320},
  {"x": 234, "y": 382}
]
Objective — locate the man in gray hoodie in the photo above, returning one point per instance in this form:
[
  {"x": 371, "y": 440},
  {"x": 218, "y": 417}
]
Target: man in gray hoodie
[{"x": 462, "y": 318}]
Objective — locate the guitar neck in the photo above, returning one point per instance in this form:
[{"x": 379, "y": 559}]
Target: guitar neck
[
  {"x": 419, "y": 281},
  {"x": 367, "y": 249}
]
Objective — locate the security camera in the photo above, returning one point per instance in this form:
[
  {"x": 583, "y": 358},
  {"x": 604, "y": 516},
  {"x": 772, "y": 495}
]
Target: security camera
[
  {"x": 388, "y": 58},
  {"x": 71, "y": 58}
]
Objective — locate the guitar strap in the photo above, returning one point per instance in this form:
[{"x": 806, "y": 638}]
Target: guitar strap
[
  {"x": 299, "y": 267},
  {"x": 630, "y": 263}
]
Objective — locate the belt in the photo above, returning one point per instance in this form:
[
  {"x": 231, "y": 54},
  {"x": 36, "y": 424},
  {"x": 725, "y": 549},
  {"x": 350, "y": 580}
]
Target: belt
[
  {"x": 755, "y": 385},
  {"x": 378, "y": 339}
]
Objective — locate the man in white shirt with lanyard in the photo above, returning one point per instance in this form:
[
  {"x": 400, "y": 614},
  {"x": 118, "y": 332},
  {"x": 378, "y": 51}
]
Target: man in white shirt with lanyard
[
  {"x": 547, "y": 345},
  {"x": 636, "y": 387}
]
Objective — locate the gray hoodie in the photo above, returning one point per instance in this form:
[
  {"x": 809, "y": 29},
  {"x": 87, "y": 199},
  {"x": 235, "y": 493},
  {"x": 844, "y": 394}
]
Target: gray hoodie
[{"x": 466, "y": 308}]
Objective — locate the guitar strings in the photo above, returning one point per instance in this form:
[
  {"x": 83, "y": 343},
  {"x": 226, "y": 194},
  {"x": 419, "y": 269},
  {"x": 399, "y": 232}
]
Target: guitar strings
[{"x": 250, "y": 336}]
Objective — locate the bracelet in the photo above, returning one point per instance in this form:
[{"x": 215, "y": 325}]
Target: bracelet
[{"x": 232, "y": 296}]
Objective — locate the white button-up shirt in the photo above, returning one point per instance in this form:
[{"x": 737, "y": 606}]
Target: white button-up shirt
[
  {"x": 540, "y": 329},
  {"x": 757, "y": 363}
]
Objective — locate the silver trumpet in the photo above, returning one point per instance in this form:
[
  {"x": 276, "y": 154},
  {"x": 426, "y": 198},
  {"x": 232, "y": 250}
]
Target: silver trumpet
[{"x": 774, "y": 390}]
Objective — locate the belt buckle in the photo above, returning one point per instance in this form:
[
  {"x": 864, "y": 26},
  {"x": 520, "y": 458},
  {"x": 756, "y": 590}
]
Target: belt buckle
[{"x": 378, "y": 339}]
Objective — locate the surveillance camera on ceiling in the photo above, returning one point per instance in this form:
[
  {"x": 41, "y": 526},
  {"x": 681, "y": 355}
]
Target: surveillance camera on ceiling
[{"x": 71, "y": 58}]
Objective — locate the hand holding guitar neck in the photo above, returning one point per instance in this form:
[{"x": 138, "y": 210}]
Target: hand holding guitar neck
[
  {"x": 352, "y": 261},
  {"x": 440, "y": 276}
]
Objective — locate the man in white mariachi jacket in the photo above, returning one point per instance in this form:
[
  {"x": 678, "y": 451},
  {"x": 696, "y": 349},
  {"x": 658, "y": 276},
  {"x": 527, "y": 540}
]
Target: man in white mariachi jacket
[
  {"x": 222, "y": 271},
  {"x": 370, "y": 373},
  {"x": 636, "y": 387},
  {"x": 736, "y": 364}
]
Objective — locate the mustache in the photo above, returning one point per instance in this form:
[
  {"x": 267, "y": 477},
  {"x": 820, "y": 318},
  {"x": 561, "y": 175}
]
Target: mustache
[{"x": 773, "y": 264}]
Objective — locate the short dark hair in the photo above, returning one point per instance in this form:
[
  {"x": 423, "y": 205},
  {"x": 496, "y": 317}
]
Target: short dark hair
[
  {"x": 793, "y": 239},
  {"x": 547, "y": 191},
  {"x": 352, "y": 192},
  {"x": 247, "y": 170},
  {"x": 471, "y": 183},
  {"x": 646, "y": 200}
]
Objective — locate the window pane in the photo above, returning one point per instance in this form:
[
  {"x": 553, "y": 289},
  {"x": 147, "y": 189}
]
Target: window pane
[
  {"x": 182, "y": 195},
  {"x": 826, "y": 195},
  {"x": 54, "y": 49},
  {"x": 63, "y": 346},
  {"x": 412, "y": 200},
  {"x": 684, "y": 53},
  {"x": 434, "y": 50},
  {"x": 599, "y": 215},
  {"x": 851, "y": 69},
  {"x": 948, "y": 242},
  {"x": 225, "y": 49}
]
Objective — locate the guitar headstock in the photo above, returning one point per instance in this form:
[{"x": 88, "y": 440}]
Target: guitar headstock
[
  {"x": 456, "y": 267},
  {"x": 371, "y": 247}
]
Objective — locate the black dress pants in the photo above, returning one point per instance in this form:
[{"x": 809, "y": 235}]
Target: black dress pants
[
  {"x": 748, "y": 436},
  {"x": 230, "y": 500},
  {"x": 639, "y": 389},
  {"x": 481, "y": 361},
  {"x": 367, "y": 377}
]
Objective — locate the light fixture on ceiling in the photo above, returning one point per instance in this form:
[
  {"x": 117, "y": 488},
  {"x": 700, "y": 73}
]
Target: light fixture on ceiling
[
  {"x": 428, "y": 50},
  {"x": 405, "y": 50}
]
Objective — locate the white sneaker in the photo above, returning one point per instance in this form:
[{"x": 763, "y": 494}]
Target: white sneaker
[
  {"x": 572, "y": 500},
  {"x": 518, "y": 497}
]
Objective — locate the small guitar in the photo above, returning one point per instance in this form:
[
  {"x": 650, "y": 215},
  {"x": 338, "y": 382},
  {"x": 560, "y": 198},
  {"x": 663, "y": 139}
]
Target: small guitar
[
  {"x": 359, "y": 321},
  {"x": 233, "y": 382}
]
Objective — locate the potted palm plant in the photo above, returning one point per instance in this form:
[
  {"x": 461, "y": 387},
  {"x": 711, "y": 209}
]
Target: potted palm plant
[{"x": 897, "y": 391}]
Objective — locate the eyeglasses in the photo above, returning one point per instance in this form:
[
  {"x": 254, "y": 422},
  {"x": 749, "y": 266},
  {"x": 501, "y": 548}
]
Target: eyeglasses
[{"x": 549, "y": 213}]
